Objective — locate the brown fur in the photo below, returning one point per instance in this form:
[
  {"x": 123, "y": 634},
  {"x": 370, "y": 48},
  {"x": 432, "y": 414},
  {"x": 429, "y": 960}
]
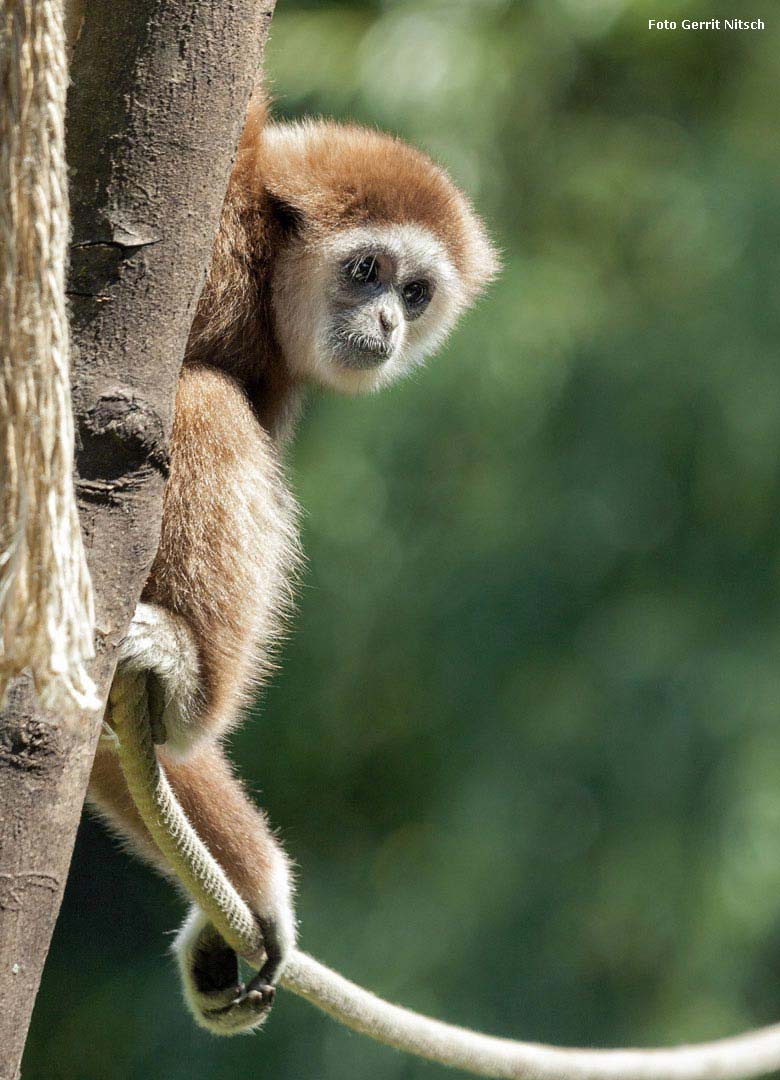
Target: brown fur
[
  {"x": 230, "y": 825},
  {"x": 229, "y": 520}
]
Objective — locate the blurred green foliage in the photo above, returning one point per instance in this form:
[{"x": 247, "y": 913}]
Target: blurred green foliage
[{"x": 525, "y": 742}]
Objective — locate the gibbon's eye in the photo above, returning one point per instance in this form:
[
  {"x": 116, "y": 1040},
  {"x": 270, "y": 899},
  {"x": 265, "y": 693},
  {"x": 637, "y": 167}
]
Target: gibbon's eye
[
  {"x": 364, "y": 271},
  {"x": 416, "y": 296}
]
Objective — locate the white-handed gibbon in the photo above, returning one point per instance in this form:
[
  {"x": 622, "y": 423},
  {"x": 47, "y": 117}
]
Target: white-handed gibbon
[{"x": 343, "y": 259}]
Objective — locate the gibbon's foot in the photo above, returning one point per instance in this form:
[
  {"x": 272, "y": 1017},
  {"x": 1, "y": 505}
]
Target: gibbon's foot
[
  {"x": 162, "y": 646},
  {"x": 209, "y": 970}
]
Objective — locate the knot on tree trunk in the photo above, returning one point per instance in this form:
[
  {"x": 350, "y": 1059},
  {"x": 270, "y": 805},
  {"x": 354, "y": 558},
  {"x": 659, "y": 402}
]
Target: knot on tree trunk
[
  {"x": 120, "y": 439},
  {"x": 30, "y": 739}
]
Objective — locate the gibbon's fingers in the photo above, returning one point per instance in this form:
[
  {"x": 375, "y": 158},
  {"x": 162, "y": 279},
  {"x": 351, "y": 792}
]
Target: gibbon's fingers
[
  {"x": 262, "y": 997},
  {"x": 269, "y": 972}
]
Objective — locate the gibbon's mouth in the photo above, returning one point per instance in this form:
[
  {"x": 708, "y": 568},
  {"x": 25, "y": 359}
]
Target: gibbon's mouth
[{"x": 361, "y": 351}]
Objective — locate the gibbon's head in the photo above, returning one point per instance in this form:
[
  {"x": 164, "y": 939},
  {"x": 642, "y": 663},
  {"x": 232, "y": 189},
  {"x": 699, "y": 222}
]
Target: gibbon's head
[{"x": 382, "y": 253}]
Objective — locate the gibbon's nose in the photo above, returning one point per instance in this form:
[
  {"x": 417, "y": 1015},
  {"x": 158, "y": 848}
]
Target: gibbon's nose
[{"x": 388, "y": 320}]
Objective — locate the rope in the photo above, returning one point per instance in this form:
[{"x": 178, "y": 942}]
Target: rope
[
  {"x": 756, "y": 1053},
  {"x": 46, "y": 614}
]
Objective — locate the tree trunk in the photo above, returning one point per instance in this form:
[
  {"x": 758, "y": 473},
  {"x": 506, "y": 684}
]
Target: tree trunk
[{"x": 158, "y": 95}]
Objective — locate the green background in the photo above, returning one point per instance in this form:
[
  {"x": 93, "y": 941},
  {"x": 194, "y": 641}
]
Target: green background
[{"x": 524, "y": 745}]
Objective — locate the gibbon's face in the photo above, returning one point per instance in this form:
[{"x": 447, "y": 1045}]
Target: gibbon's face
[{"x": 363, "y": 307}]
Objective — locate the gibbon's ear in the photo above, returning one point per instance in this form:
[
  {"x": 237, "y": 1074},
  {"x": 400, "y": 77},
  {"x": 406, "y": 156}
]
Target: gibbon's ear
[{"x": 290, "y": 217}]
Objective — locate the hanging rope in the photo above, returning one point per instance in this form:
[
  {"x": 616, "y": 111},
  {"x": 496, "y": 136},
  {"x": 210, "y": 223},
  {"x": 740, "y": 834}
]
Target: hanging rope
[
  {"x": 753, "y": 1054},
  {"x": 46, "y": 613}
]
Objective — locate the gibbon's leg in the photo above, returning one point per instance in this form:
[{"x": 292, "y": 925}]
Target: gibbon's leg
[{"x": 239, "y": 837}]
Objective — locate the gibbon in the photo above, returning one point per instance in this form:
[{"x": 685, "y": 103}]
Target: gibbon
[{"x": 343, "y": 258}]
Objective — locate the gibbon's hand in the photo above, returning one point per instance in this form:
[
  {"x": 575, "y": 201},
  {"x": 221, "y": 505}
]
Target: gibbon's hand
[{"x": 220, "y": 1002}]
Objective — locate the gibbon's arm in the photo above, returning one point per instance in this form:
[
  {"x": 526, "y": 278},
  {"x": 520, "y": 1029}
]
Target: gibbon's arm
[
  {"x": 238, "y": 835},
  {"x": 235, "y": 831},
  {"x": 228, "y": 550}
]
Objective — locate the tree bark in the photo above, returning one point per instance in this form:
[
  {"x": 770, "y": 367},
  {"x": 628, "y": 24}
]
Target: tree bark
[{"x": 158, "y": 95}]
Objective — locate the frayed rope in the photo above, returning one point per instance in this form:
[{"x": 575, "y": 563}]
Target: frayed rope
[{"x": 46, "y": 608}]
